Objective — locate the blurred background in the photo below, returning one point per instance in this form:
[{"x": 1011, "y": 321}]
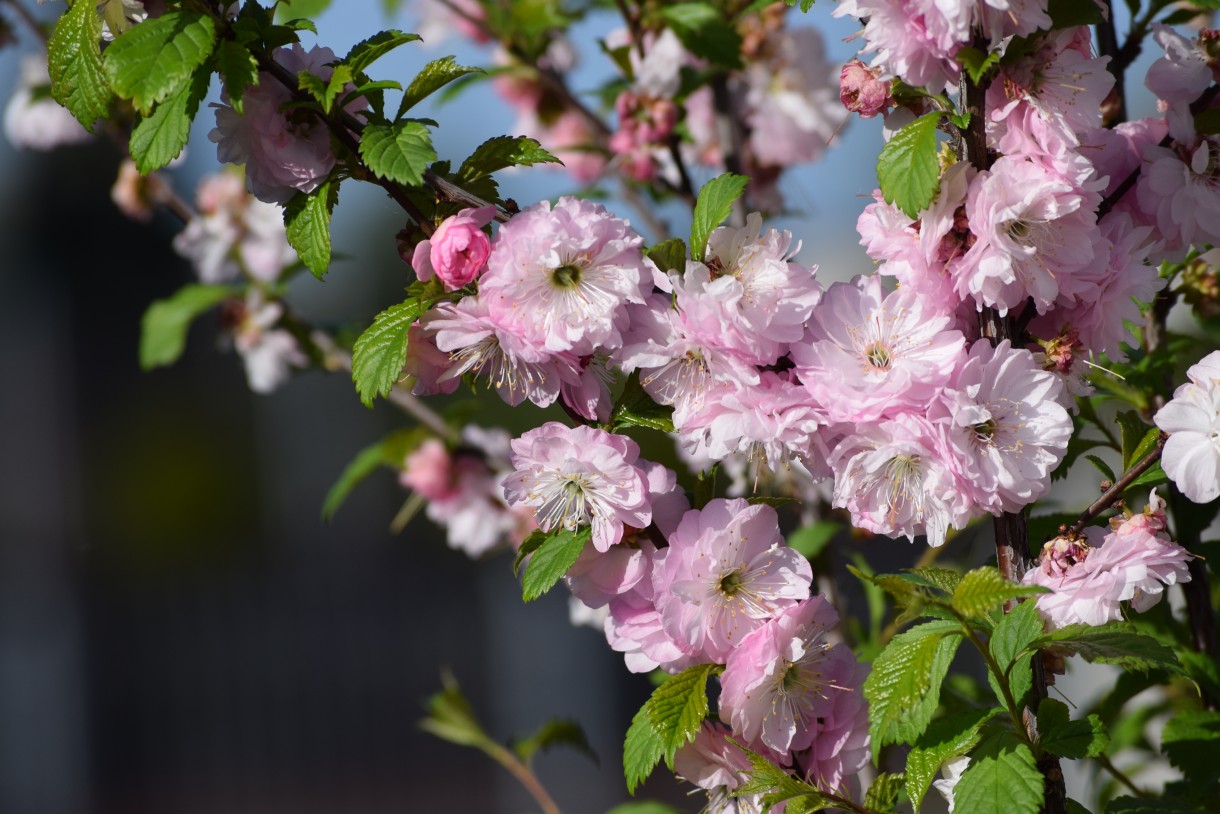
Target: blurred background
[{"x": 179, "y": 631}]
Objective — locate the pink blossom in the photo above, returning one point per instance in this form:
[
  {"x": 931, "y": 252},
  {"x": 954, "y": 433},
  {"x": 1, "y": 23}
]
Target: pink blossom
[
  {"x": 427, "y": 365},
  {"x": 458, "y": 249},
  {"x": 1181, "y": 189},
  {"x": 634, "y": 628},
  {"x": 896, "y": 477},
  {"x": 718, "y": 767},
  {"x": 726, "y": 572},
  {"x": 861, "y": 91},
  {"x": 1191, "y": 457},
  {"x": 780, "y": 683},
  {"x": 428, "y": 471},
  {"x": 130, "y": 193},
  {"x": 1007, "y": 426},
  {"x": 915, "y": 40},
  {"x": 563, "y": 276},
  {"x": 577, "y": 476},
  {"x": 269, "y": 353},
  {"x": 869, "y": 354},
  {"x": 285, "y": 152},
  {"x": 1183, "y": 73}
]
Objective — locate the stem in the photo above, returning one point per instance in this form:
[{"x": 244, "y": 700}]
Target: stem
[
  {"x": 335, "y": 358},
  {"x": 1115, "y": 492},
  {"x": 1107, "y": 46},
  {"x": 1109, "y": 766},
  {"x": 1001, "y": 678},
  {"x": 524, "y": 776}
]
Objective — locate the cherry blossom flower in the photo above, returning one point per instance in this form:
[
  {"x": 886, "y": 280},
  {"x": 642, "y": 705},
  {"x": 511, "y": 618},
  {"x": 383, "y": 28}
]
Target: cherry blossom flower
[
  {"x": 269, "y": 353},
  {"x": 780, "y": 683},
  {"x": 726, "y": 572},
  {"x": 718, "y": 767},
  {"x": 577, "y": 476},
  {"x": 1191, "y": 457},
  {"x": 868, "y": 354},
  {"x": 951, "y": 772},
  {"x": 457, "y": 251},
  {"x": 564, "y": 275},
  {"x": 285, "y": 152},
  {"x": 1183, "y": 73},
  {"x": 1007, "y": 426},
  {"x": 862, "y": 91}
]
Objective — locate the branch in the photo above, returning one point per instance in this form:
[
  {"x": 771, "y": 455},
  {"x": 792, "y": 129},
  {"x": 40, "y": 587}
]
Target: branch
[{"x": 1111, "y": 495}]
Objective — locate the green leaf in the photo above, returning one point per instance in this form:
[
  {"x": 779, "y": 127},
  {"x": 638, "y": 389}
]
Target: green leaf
[
  {"x": 451, "y": 718},
  {"x": 812, "y": 539},
  {"x": 1071, "y": 13},
  {"x": 558, "y": 732},
  {"x": 328, "y": 90},
  {"x": 1134, "y": 430},
  {"x": 976, "y": 62},
  {"x": 774, "y": 501},
  {"x": 364, "y": 464},
  {"x": 307, "y": 222},
  {"x": 805, "y": 4},
  {"x": 528, "y": 546},
  {"x": 903, "y": 688},
  {"x": 366, "y": 52},
  {"x": 1002, "y": 778},
  {"x": 1151, "y": 805},
  {"x": 238, "y": 70},
  {"x": 552, "y": 560},
  {"x": 166, "y": 322},
  {"x": 984, "y": 588},
  {"x": 398, "y": 152},
  {"x": 1144, "y": 447},
  {"x": 713, "y": 206},
  {"x": 642, "y": 749},
  {"x": 1154, "y": 475},
  {"x": 290, "y": 9},
  {"x": 704, "y": 31},
  {"x": 945, "y": 738},
  {"x": 1010, "y": 639},
  {"x": 945, "y": 580},
  {"x": 1061, "y": 736},
  {"x": 1102, "y": 467},
  {"x": 677, "y": 708},
  {"x": 635, "y": 408},
  {"x": 500, "y": 152},
  {"x": 669, "y": 255},
  {"x": 381, "y": 351},
  {"x": 882, "y": 795},
  {"x": 74, "y": 60},
  {"x": 159, "y": 138},
  {"x": 777, "y": 786},
  {"x": 1114, "y": 643},
  {"x": 1191, "y": 741},
  {"x": 908, "y": 168},
  {"x": 644, "y": 807},
  {"x": 435, "y": 75},
  {"x": 154, "y": 59}
]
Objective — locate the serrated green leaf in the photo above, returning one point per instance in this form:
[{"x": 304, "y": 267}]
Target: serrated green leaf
[
  {"x": 635, "y": 408},
  {"x": 642, "y": 749},
  {"x": 74, "y": 61},
  {"x": 715, "y": 202},
  {"x": 381, "y": 351},
  {"x": 1061, "y": 736},
  {"x": 903, "y": 688},
  {"x": 945, "y": 738},
  {"x": 976, "y": 62},
  {"x": 552, "y": 560},
  {"x": 677, "y": 708},
  {"x": 328, "y": 90},
  {"x": 705, "y": 32},
  {"x": 669, "y": 255},
  {"x": 366, "y": 462},
  {"x": 366, "y": 52},
  {"x": 1102, "y": 467},
  {"x": 1133, "y": 429},
  {"x": 166, "y": 322},
  {"x": 944, "y": 580},
  {"x": 451, "y": 718},
  {"x": 984, "y": 588},
  {"x": 1010, "y": 639},
  {"x": 1153, "y": 476},
  {"x": 501, "y": 152},
  {"x": 398, "y": 152},
  {"x": 1002, "y": 778},
  {"x": 908, "y": 169},
  {"x": 882, "y": 795},
  {"x": 238, "y": 70},
  {"x": 811, "y": 540},
  {"x": 777, "y": 786},
  {"x": 1191, "y": 741},
  {"x": 557, "y": 732},
  {"x": 1113, "y": 643},
  {"x": 154, "y": 59},
  {"x": 1144, "y": 447},
  {"x": 307, "y": 223},
  {"x": 159, "y": 138},
  {"x": 435, "y": 75}
]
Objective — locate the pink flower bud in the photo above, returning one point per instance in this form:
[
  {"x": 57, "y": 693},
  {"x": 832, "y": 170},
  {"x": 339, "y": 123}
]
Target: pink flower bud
[
  {"x": 862, "y": 92},
  {"x": 459, "y": 248}
]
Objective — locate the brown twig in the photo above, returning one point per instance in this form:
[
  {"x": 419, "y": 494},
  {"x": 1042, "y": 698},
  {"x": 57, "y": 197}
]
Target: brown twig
[{"x": 1111, "y": 495}]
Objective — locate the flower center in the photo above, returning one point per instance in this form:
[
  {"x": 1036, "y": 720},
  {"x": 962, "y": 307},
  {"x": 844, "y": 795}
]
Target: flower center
[
  {"x": 731, "y": 583},
  {"x": 566, "y": 276},
  {"x": 878, "y": 355},
  {"x": 1018, "y": 230},
  {"x": 985, "y": 431}
]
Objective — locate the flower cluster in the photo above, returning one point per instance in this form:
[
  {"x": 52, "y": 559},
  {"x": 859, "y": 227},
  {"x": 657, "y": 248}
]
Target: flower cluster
[{"x": 683, "y": 586}]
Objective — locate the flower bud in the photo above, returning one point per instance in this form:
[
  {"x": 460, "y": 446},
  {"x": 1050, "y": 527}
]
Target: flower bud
[
  {"x": 862, "y": 92},
  {"x": 458, "y": 249}
]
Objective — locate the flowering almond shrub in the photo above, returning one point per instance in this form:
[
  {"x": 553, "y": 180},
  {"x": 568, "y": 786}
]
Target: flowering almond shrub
[{"x": 1030, "y": 241}]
